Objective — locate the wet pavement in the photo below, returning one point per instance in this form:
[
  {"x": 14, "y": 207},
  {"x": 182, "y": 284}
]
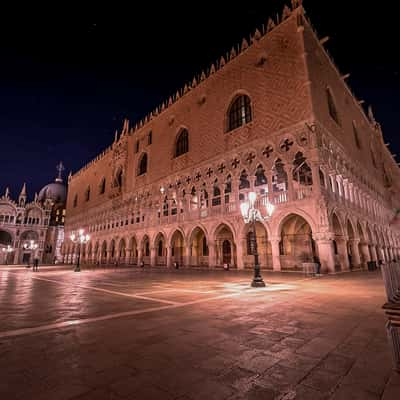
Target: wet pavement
[{"x": 133, "y": 334}]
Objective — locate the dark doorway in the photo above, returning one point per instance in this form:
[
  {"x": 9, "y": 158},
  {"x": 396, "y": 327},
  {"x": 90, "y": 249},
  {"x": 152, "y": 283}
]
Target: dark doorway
[{"x": 226, "y": 252}]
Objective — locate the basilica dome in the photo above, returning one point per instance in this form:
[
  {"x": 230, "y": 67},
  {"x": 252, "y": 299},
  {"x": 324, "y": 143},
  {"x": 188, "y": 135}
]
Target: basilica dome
[{"x": 55, "y": 191}]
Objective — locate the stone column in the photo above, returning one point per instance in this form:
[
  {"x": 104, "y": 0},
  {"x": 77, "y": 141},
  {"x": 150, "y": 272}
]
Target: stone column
[
  {"x": 17, "y": 255},
  {"x": 326, "y": 254},
  {"x": 355, "y": 252},
  {"x": 374, "y": 256},
  {"x": 315, "y": 179},
  {"x": 128, "y": 256},
  {"x": 240, "y": 251},
  {"x": 152, "y": 256},
  {"x": 140, "y": 256},
  {"x": 169, "y": 256},
  {"x": 341, "y": 243},
  {"x": 291, "y": 194},
  {"x": 211, "y": 254},
  {"x": 187, "y": 256},
  {"x": 346, "y": 189},
  {"x": 276, "y": 258},
  {"x": 365, "y": 252}
]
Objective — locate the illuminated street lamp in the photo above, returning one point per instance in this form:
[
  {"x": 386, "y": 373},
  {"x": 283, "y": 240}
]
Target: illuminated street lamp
[
  {"x": 31, "y": 245},
  {"x": 250, "y": 215},
  {"x": 6, "y": 251},
  {"x": 79, "y": 239}
]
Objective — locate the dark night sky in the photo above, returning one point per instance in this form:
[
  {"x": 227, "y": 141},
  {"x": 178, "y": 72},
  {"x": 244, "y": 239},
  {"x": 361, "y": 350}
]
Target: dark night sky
[{"x": 69, "y": 76}]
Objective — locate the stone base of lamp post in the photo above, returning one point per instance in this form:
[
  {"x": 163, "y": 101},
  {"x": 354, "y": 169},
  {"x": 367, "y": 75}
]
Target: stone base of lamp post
[{"x": 258, "y": 282}]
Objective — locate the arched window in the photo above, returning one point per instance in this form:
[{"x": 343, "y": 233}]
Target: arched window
[
  {"x": 182, "y": 143},
  {"x": 261, "y": 179},
  {"x": 118, "y": 178},
  {"x": 244, "y": 182},
  {"x": 301, "y": 170},
  {"x": 160, "y": 248},
  {"x": 356, "y": 137},
  {"x": 87, "y": 194},
  {"x": 142, "y": 165},
  {"x": 216, "y": 200},
  {"x": 331, "y": 106},
  {"x": 165, "y": 207},
  {"x": 203, "y": 198},
  {"x": 279, "y": 177},
  {"x": 321, "y": 178},
  {"x": 102, "y": 186},
  {"x": 239, "y": 112},
  {"x": 75, "y": 202}
]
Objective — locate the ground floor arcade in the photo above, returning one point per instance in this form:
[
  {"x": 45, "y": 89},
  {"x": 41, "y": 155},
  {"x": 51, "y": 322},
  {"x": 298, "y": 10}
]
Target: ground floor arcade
[{"x": 284, "y": 243}]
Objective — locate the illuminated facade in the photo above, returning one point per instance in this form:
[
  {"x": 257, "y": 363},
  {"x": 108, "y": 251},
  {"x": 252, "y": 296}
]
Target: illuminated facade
[
  {"x": 273, "y": 116},
  {"x": 40, "y": 222}
]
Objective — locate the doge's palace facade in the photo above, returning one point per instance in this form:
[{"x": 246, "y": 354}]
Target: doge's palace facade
[{"x": 273, "y": 116}]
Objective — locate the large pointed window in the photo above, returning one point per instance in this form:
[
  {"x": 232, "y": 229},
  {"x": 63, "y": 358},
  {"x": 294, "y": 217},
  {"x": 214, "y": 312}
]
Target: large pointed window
[
  {"x": 87, "y": 194},
  {"x": 142, "y": 165},
  {"x": 102, "y": 186},
  {"x": 239, "y": 112},
  {"x": 332, "y": 106},
  {"x": 182, "y": 143}
]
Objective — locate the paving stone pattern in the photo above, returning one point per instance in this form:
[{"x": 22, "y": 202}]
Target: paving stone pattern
[{"x": 189, "y": 335}]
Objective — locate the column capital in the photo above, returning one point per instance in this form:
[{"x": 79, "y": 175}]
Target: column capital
[
  {"x": 323, "y": 236},
  {"x": 276, "y": 239}
]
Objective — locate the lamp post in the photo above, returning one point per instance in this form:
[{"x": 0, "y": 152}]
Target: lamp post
[
  {"x": 31, "y": 245},
  {"x": 6, "y": 251},
  {"x": 79, "y": 239},
  {"x": 251, "y": 215}
]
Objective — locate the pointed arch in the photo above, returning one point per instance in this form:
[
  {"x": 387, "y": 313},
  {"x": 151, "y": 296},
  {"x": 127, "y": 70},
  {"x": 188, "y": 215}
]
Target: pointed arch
[
  {"x": 181, "y": 143},
  {"x": 102, "y": 186},
  {"x": 239, "y": 112},
  {"x": 261, "y": 179},
  {"x": 332, "y": 106},
  {"x": 87, "y": 193},
  {"x": 301, "y": 170},
  {"x": 142, "y": 165},
  {"x": 244, "y": 182},
  {"x": 279, "y": 177},
  {"x": 198, "y": 244},
  {"x": 121, "y": 250},
  {"x": 225, "y": 249},
  {"x": 296, "y": 241}
]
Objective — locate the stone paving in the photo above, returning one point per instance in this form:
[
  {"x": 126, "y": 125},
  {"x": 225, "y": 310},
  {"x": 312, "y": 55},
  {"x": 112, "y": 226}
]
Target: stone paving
[{"x": 188, "y": 335}]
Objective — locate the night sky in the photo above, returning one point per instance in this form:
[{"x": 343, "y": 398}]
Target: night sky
[{"x": 69, "y": 76}]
